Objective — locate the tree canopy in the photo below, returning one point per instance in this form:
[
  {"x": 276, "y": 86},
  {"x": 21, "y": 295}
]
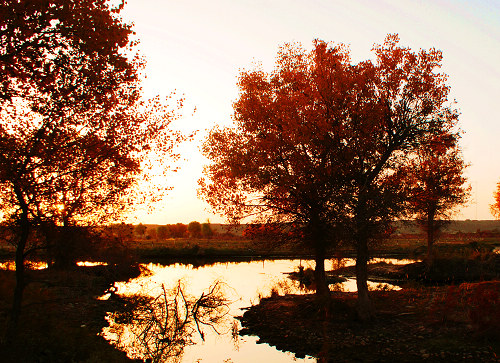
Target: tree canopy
[
  {"x": 495, "y": 207},
  {"x": 320, "y": 142},
  {"x": 75, "y": 134},
  {"x": 435, "y": 183}
]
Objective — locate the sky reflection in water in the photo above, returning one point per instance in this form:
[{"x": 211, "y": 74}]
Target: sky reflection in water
[{"x": 244, "y": 283}]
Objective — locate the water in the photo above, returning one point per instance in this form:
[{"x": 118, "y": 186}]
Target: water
[{"x": 242, "y": 285}]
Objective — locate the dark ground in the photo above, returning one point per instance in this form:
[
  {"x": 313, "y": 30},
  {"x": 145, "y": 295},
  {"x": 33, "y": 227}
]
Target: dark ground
[
  {"x": 411, "y": 326},
  {"x": 61, "y": 316}
]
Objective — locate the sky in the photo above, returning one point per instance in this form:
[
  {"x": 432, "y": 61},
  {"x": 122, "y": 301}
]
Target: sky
[{"x": 197, "y": 48}]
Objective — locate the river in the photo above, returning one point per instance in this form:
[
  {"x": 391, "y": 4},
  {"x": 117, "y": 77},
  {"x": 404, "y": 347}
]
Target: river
[{"x": 178, "y": 286}]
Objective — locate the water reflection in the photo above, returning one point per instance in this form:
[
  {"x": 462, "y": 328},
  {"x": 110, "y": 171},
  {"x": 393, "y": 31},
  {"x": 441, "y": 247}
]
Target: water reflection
[
  {"x": 245, "y": 283},
  {"x": 158, "y": 329},
  {"x": 31, "y": 265},
  {"x": 40, "y": 265}
]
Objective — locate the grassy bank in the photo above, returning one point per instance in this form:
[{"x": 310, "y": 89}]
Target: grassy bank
[
  {"x": 186, "y": 250},
  {"x": 61, "y": 316},
  {"x": 435, "y": 324}
]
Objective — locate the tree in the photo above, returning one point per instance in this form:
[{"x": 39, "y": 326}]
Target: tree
[
  {"x": 409, "y": 96},
  {"x": 162, "y": 232},
  {"x": 495, "y": 207},
  {"x": 151, "y": 234},
  {"x": 194, "y": 229},
  {"x": 319, "y": 143},
  {"x": 140, "y": 230},
  {"x": 206, "y": 230},
  {"x": 74, "y": 132},
  {"x": 276, "y": 164},
  {"x": 122, "y": 231},
  {"x": 177, "y": 230},
  {"x": 436, "y": 185}
]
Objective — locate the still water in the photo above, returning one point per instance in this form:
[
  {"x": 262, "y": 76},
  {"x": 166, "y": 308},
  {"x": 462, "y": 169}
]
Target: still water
[{"x": 238, "y": 284}]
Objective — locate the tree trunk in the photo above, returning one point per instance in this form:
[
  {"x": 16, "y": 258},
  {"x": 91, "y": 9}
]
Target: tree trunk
[
  {"x": 12, "y": 325},
  {"x": 322, "y": 289},
  {"x": 430, "y": 239},
  {"x": 364, "y": 306}
]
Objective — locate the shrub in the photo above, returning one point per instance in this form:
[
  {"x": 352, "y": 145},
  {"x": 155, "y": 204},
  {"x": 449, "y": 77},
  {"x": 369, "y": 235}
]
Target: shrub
[{"x": 477, "y": 304}]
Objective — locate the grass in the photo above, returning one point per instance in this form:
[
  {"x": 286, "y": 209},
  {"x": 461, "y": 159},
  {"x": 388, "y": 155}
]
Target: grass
[{"x": 408, "y": 246}]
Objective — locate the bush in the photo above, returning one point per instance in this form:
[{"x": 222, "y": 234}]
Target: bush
[
  {"x": 477, "y": 304},
  {"x": 194, "y": 229}
]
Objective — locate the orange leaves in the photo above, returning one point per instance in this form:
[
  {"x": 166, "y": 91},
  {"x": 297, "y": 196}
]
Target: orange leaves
[
  {"x": 495, "y": 207},
  {"x": 321, "y": 139},
  {"x": 434, "y": 178},
  {"x": 279, "y": 157},
  {"x": 91, "y": 138},
  {"x": 411, "y": 76}
]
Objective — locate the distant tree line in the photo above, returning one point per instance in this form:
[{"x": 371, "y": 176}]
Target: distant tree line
[{"x": 178, "y": 230}]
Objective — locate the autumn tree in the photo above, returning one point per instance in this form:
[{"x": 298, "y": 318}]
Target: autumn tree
[
  {"x": 178, "y": 230},
  {"x": 276, "y": 164},
  {"x": 410, "y": 95},
  {"x": 140, "y": 230},
  {"x": 436, "y": 186},
  {"x": 319, "y": 144},
  {"x": 74, "y": 132},
  {"x": 495, "y": 207},
  {"x": 122, "y": 231},
  {"x": 162, "y": 232},
  {"x": 194, "y": 229},
  {"x": 206, "y": 230}
]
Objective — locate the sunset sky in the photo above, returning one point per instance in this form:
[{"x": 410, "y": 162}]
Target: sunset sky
[{"x": 197, "y": 48}]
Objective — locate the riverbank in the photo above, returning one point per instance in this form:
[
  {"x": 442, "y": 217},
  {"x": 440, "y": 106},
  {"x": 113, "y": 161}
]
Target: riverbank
[
  {"x": 435, "y": 316},
  {"x": 444, "y": 270},
  {"x": 413, "y": 324},
  {"x": 222, "y": 248},
  {"x": 62, "y": 315},
  {"x": 206, "y": 251}
]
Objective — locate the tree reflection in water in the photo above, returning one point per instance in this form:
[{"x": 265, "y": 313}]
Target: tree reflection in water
[{"x": 157, "y": 329}]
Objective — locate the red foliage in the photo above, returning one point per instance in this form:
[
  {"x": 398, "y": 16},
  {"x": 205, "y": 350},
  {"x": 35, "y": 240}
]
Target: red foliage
[
  {"x": 319, "y": 142},
  {"x": 495, "y": 207},
  {"x": 178, "y": 230},
  {"x": 476, "y": 303}
]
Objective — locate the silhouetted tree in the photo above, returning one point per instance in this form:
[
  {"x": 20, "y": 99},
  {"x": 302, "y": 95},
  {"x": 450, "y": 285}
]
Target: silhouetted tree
[
  {"x": 178, "y": 230},
  {"x": 409, "y": 95},
  {"x": 435, "y": 185},
  {"x": 151, "y": 233},
  {"x": 206, "y": 230},
  {"x": 123, "y": 231},
  {"x": 140, "y": 229},
  {"x": 194, "y": 229},
  {"x": 74, "y": 133},
  {"x": 278, "y": 163},
  {"x": 318, "y": 144},
  {"x": 495, "y": 207},
  {"x": 162, "y": 232}
]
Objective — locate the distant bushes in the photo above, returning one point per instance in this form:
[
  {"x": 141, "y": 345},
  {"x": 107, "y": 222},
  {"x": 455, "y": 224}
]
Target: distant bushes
[{"x": 179, "y": 230}]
